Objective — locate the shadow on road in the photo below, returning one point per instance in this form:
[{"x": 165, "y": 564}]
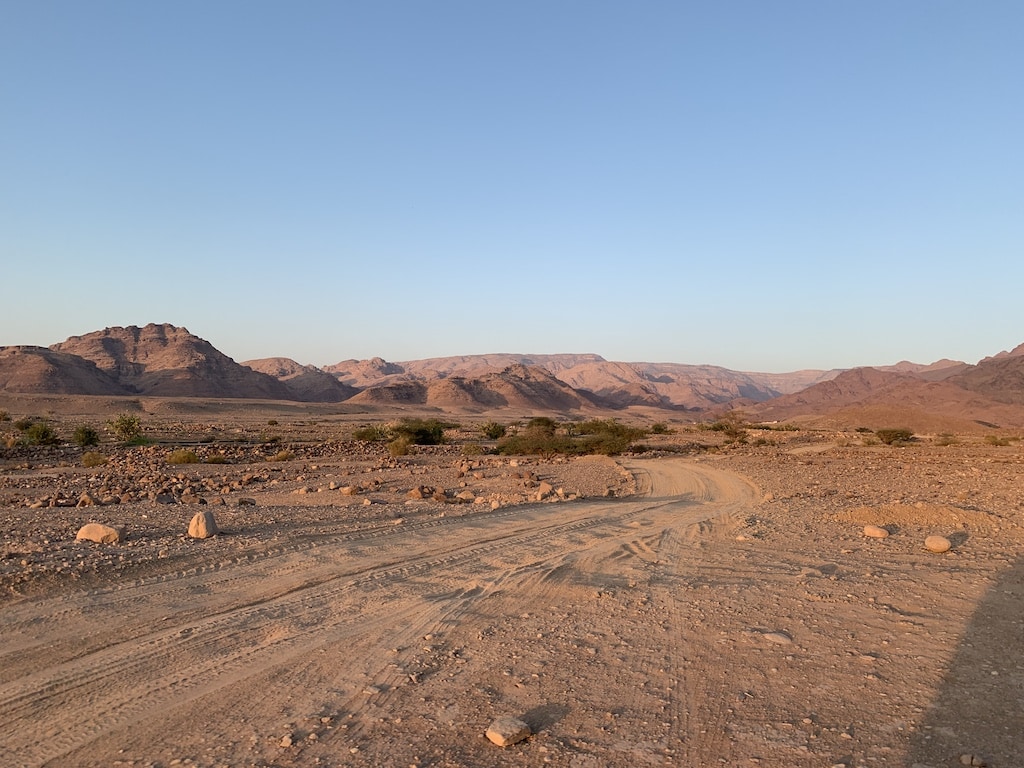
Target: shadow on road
[{"x": 980, "y": 707}]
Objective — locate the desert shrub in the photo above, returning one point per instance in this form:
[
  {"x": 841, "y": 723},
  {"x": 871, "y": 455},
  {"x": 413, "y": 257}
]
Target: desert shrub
[
  {"x": 283, "y": 455},
  {"x": 93, "y": 459},
  {"x": 85, "y": 436},
  {"x": 894, "y": 436},
  {"x": 997, "y": 440},
  {"x": 422, "y": 431},
  {"x": 731, "y": 426},
  {"x": 661, "y": 428},
  {"x": 126, "y": 427},
  {"x": 4, "y": 415},
  {"x": 545, "y": 423},
  {"x": 182, "y": 456},
  {"x": 272, "y": 422},
  {"x": 372, "y": 433},
  {"x": 606, "y": 436},
  {"x": 494, "y": 430},
  {"x": 22, "y": 425},
  {"x": 40, "y": 433},
  {"x": 946, "y": 438},
  {"x": 269, "y": 439},
  {"x": 216, "y": 458},
  {"x": 864, "y": 430},
  {"x": 472, "y": 449},
  {"x": 400, "y": 446}
]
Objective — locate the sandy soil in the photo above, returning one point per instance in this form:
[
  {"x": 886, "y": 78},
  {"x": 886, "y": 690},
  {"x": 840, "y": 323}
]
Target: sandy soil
[{"x": 720, "y": 608}]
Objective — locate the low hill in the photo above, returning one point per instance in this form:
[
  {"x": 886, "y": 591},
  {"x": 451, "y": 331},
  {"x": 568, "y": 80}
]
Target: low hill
[
  {"x": 38, "y": 370},
  {"x": 306, "y": 383}
]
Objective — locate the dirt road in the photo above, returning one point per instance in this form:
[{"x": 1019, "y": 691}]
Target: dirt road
[{"x": 315, "y": 642}]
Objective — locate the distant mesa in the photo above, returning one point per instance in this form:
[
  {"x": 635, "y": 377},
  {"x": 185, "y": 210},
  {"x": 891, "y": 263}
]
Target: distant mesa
[{"x": 169, "y": 361}]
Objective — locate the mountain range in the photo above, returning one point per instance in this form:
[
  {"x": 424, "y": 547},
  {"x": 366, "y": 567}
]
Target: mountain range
[{"x": 168, "y": 361}]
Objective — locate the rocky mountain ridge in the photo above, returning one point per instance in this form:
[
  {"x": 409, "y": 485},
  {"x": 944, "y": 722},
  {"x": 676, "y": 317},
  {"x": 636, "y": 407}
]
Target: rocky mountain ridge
[{"x": 165, "y": 360}]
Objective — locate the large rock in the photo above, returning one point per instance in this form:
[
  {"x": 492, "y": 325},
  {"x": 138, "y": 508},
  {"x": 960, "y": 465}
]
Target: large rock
[
  {"x": 203, "y": 525},
  {"x": 937, "y": 544},
  {"x": 99, "y": 533},
  {"x": 506, "y": 731},
  {"x": 875, "y": 532}
]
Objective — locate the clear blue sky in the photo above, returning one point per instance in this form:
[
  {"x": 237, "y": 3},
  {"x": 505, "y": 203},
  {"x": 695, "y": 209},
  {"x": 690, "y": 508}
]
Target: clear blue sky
[{"x": 759, "y": 185}]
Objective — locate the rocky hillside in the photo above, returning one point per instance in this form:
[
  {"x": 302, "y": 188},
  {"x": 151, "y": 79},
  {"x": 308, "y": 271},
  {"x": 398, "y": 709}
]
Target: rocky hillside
[
  {"x": 518, "y": 386},
  {"x": 307, "y": 383},
  {"x": 987, "y": 394},
  {"x": 169, "y": 361},
  {"x": 38, "y": 370}
]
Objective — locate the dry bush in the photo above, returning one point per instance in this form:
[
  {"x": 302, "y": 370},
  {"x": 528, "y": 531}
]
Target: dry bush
[
  {"x": 182, "y": 456},
  {"x": 93, "y": 459}
]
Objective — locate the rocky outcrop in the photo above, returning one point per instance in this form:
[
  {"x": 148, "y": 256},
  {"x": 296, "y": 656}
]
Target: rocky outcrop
[
  {"x": 307, "y": 383},
  {"x": 169, "y": 361}
]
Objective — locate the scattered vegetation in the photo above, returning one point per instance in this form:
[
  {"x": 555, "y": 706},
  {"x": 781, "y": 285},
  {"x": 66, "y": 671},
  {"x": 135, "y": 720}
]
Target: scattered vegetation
[
  {"x": 23, "y": 424},
  {"x": 472, "y": 449},
  {"x": 216, "y": 458},
  {"x": 946, "y": 438},
  {"x": 4, "y": 415},
  {"x": 493, "y": 430},
  {"x": 182, "y": 456},
  {"x": 85, "y": 436},
  {"x": 661, "y": 428},
  {"x": 126, "y": 427},
  {"x": 272, "y": 422},
  {"x": 93, "y": 459},
  {"x": 40, "y": 433},
  {"x": 997, "y": 440},
  {"x": 543, "y": 437},
  {"x": 372, "y": 433},
  {"x": 894, "y": 436},
  {"x": 732, "y": 426},
  {"x": 283, "y": 455}
]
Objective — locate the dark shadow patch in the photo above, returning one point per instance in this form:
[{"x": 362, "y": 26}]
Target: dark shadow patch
[
  {"x": 543, "y": 717},
  {"x": 980, "y": 707}
]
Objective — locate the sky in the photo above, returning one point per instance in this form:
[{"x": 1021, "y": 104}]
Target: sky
[{"x": 761, "y": 186}]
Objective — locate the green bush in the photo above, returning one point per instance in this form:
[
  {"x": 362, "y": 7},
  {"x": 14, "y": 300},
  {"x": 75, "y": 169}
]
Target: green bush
[
  {"x": 661, "y": 428},
  {"x": 85, "y": 436},
  {"x": 601, "y": 436},
  {"x": 423, "y": 431},
  {"x": 40, "y": 433},
  {"x": 494, "y": 430},
  {"x": 892, "y": 436},
  {"x": 126, "y": 427},
  {"x": 93, "y": 459},
  {"x": 23, "y": 424},
  {"x": 182, "y": 456},
  {"x": 730, "y": 425}
]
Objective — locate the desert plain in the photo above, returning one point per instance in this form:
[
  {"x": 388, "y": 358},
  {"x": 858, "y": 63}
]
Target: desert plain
[{"x": 694, "y": 601}]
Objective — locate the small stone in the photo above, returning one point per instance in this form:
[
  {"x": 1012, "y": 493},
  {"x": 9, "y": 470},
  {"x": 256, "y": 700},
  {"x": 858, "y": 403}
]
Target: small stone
[
  {"x": 415, "y": 493},
  {"x": 287, "y": 741},
  {"x": 203, "y": 525},
  {"x": 875, "y": 532},
  {"x": 779, "y": 638},
  {"x": 99, "y": 533},
  {"x": 506, "y": 731},
  {"x": 465, "y": 496},
  {"x": 937, "y": 544}
]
